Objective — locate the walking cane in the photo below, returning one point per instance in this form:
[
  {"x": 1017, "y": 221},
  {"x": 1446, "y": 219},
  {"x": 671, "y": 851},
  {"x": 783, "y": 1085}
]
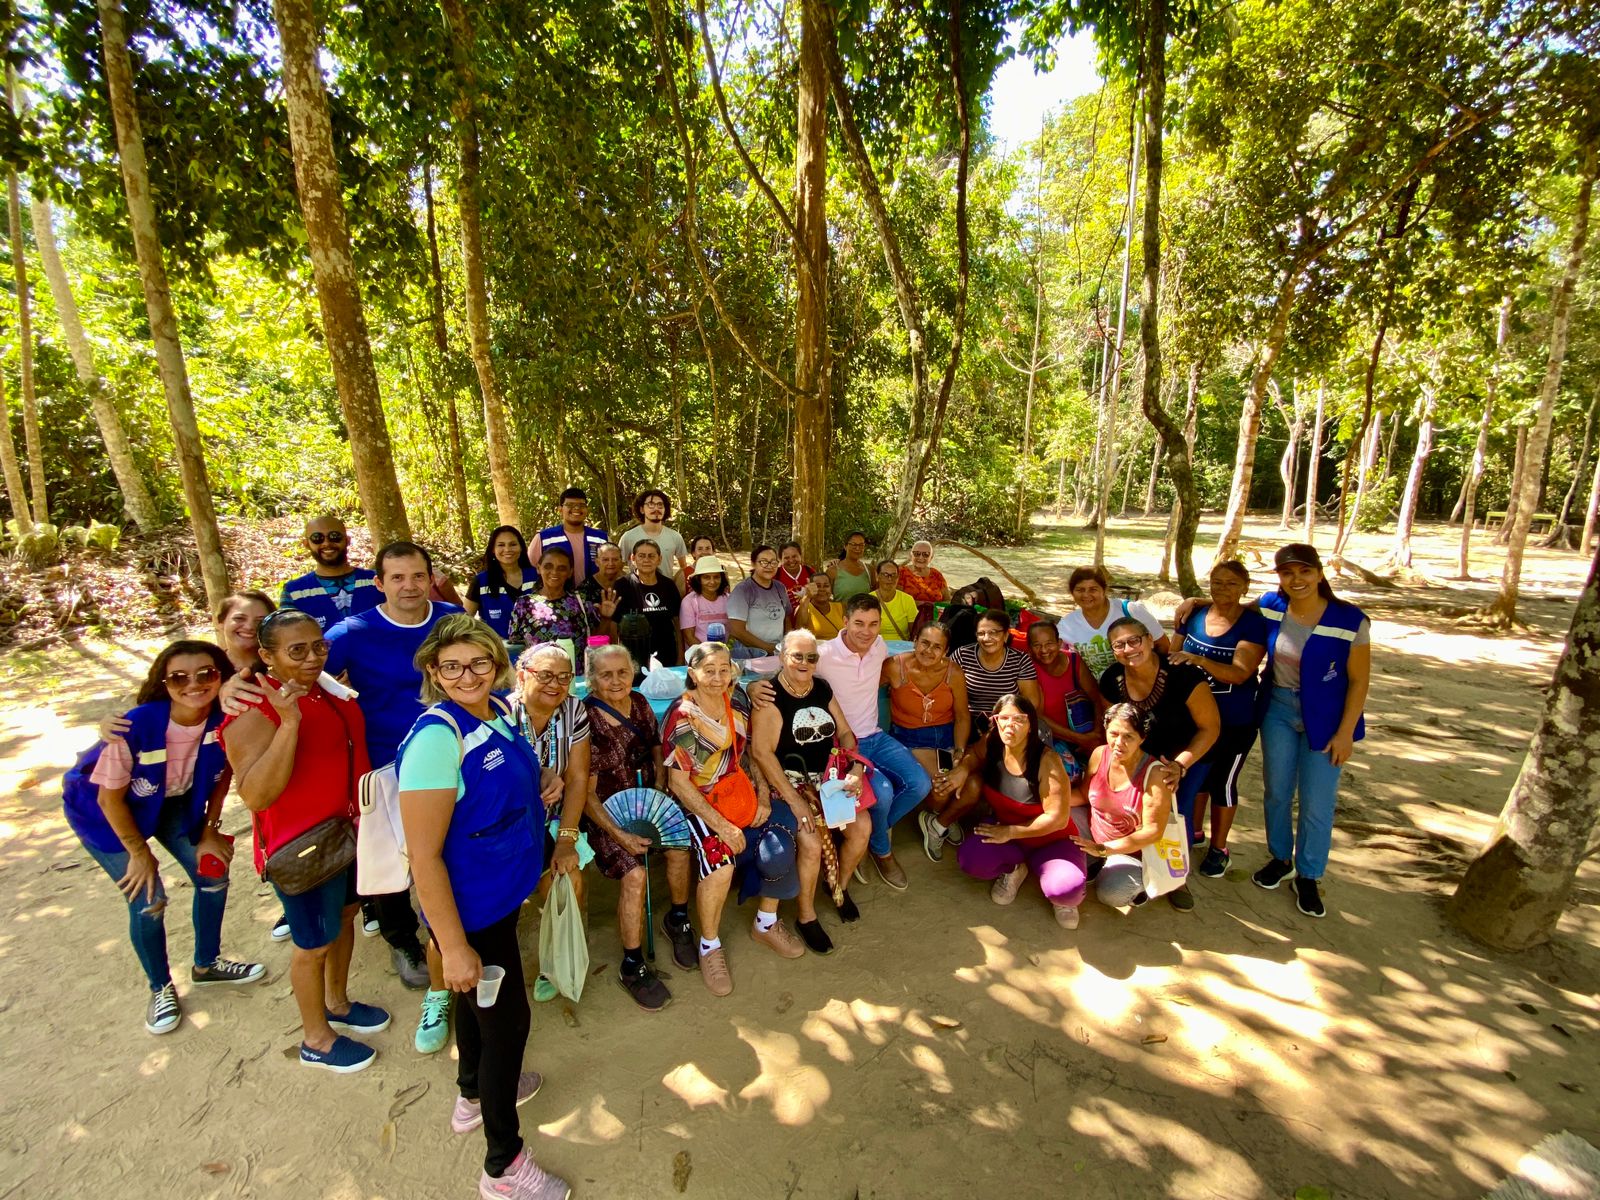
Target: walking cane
[{"x": 649, "y": 912}]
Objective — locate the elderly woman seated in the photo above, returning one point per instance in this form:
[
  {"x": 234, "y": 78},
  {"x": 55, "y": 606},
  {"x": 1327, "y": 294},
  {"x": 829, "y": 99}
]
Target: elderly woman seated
[
  {"x": 625, "y": 752},
  {"x": 736, "y": 826}
]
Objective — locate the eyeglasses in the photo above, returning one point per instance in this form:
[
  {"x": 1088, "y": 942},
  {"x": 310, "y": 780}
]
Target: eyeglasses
[
  {"x": 299, "y": 650},
  {"x": 1128, "y": 643},
  {"x": 800, "y": 656},
  {"x": 316, "y": 539},
  {"x": 478, "y": 666},
  {"x": 542, "y": 678},
  {"x": 180, "y": 679}
]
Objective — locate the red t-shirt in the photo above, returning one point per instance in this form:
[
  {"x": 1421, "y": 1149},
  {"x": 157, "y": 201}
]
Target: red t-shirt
[
  {"x": 795, "y": 585},
  {"x": 330, "y": 756}
]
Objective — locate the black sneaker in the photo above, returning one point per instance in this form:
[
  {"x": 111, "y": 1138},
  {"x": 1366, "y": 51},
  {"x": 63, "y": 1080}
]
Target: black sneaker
[
  {"x": 685, "y": 946},
  {"x": 411, "y": 965},
  {"x": 280, "y": 930},
  {"x": 1095, "y": 865},
  {"x": 1308, "y": 899},
  {"x": 1182, "y": 900},
  {"x": 1274, "y": 873},
  {"x": 225, "y": 970},
  {"x": 1198, "y": 839},
  {"x": 646, "y": 988},
  {"x": 1215, "y": 865},
  {"x": 848, "y": 911},
  {"x": 815, "y": 937},
  {"x": 371, "y": 926}
]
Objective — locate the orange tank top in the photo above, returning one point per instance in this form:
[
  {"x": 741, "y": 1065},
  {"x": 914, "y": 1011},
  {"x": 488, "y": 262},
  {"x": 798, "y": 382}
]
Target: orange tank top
[{"x": 912, "y": 708}]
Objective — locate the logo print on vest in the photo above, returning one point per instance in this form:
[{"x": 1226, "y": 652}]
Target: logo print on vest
[
  {"x": 143, "y": 787},
  {"x": 495, "y": 758}
]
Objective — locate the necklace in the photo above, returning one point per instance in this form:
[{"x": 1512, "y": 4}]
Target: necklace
[{"x": 788, "y": 680}]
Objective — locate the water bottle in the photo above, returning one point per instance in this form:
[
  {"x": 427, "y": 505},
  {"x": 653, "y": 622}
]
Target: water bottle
[{"x": 716, "y": 631}]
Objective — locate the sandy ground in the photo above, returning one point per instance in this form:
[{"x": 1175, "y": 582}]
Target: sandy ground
[{"x": 948, "y": 1047}]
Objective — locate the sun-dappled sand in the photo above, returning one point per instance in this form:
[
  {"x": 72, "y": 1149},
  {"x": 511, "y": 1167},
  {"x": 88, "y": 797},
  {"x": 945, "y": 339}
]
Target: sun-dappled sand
[{"x": 949, "y": 1047}]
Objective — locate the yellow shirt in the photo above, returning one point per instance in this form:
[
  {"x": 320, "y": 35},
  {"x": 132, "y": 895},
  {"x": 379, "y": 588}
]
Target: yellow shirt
[
  {"x": 899, "y": 615},
  {"x": 827, "y": 623}
]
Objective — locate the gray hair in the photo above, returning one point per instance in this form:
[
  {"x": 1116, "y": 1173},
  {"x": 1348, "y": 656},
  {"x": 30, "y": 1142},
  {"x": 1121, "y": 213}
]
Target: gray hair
[
  {"x": 597, "y": 656},
  {"x": 533, "y": 654},
  {"x": 702, "y": 652},
  {"x": 793, "y": 634},
  {"x": 923, "y": 542}
]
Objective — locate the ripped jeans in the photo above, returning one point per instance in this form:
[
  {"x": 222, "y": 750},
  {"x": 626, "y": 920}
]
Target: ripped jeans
[{"x": 147, "y": 926}]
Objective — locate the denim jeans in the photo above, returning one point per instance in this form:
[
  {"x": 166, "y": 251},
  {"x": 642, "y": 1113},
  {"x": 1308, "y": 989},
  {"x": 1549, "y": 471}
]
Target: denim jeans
[
  {"x": 147, "y": 926},
  {"x": 1288, "y": 765},
  {"x": 898, "y": 782}
]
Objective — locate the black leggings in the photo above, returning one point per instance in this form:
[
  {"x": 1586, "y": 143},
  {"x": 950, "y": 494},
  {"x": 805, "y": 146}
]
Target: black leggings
[
  {"x": 490, "y": 1042},
  {"x": 397, "y": 921}
]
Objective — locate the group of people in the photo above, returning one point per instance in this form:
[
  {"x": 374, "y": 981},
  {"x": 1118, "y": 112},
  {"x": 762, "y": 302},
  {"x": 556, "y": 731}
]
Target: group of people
[{"x": 1063, "y": 761}]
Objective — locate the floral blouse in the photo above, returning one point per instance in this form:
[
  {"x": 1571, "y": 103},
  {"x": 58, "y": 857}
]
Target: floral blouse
[{"x": 536, "y": 619}]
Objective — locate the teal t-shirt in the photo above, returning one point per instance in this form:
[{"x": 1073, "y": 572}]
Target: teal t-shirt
[{"x": 433, "y": 759}]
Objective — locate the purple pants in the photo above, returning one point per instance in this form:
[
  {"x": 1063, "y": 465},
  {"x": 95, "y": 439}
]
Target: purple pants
[{"x": 1058, "y": 866}]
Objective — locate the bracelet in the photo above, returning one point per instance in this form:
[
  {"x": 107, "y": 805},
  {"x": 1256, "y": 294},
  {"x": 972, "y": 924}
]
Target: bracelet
[
  {"x": 215, "y": 826},
  {"x": 566, "y": 835}
]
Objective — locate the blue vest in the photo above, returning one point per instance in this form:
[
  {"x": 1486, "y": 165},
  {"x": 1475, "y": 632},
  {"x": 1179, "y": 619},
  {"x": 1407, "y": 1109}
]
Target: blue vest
[
  {"x": 494, "y": 849},
  {"x": 593, "y": 539},
  {"x": 309, "y": 596},
  {"x": 1324, "y": 673},
  {"x": 494, "y": 608},
  {"x": 147, "y": 789}
]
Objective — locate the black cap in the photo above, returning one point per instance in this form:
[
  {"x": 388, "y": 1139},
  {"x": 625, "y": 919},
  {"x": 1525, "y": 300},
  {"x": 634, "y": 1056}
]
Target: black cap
[{"x": 1296, "y": 552}]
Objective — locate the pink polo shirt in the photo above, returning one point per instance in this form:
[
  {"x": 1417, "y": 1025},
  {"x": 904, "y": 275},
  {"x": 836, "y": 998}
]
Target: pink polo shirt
[{"x": 854, "y": 679}]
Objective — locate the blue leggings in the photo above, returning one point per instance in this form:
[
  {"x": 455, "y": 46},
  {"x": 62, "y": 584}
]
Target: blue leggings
[{"x": 147, "y": 925}]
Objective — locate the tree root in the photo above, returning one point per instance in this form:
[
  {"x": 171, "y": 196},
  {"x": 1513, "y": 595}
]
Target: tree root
[
  {"x": 1033, "y": 596},
  {"x": 1342, "y": 564}
]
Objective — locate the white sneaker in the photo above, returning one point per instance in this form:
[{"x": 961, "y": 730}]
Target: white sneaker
[
  {"x": 1004, "y": 889},
  {"x": 1066, "y": 915}
]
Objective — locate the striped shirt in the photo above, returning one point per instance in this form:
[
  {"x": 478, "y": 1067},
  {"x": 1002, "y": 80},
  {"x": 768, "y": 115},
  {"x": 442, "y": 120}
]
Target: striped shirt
[{"x": 984, "y": 686}]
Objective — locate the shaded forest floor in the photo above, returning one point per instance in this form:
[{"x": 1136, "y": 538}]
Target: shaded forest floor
[{"x": 947, "y": 1047}]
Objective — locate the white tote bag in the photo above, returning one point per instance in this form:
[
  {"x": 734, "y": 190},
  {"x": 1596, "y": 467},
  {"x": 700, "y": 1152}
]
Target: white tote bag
[
  {"x": 1166, "y": 860},
  {"x": 383, "y": 866}
]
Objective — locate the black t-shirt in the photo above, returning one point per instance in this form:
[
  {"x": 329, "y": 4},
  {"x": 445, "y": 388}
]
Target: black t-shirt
[
  {"x": 659, "y": 603},
  {"x": 1168, "y": 704},
  {"x": 808, "y": 727}
]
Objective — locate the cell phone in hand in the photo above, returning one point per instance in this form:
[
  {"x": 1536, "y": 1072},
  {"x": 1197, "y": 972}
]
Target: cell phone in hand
[
  {"x": 210, "y": 865},
  {"x": 946, "y": 759}
]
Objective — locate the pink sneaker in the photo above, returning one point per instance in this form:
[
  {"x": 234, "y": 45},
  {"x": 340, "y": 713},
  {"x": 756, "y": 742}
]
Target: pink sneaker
[
  {"x": 523, "y": 1180},
  {"x": 468, "y": 1114}
]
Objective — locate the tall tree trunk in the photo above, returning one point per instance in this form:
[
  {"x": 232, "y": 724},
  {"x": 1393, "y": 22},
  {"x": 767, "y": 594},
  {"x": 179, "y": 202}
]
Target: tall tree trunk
[
  {"x": 1593, "y": 518},
  {"x": 1289, "y": 464},
  {"x": 1388, "y": 454},
  {"x": 1113, "y": 379},
  {"x": 1312, "y": 468},
  {"x": 16, "y": 487},
  {"x": 813, "y": 406},
  {"x": 1098, "y": 391},
  {"x": 1244, "y": 462},
  {"x": 1027, "y": 407},
  {"x": 928, "y": 404},
  {"x": 1419, "y": 463},
  {"x": 1127, "y": 481},
  {"x": 1504, "y": 608},
  {"x": 1519, "y": 460},
  {"x": 444, "y": 377},
  {"x": 1061, "y": 486},
  {"x": 1515, "y": 891},
  {"x": 158, "y": 302},
  {"x": 19, "y": 271},
  {"x": 1176, "y": 519},
  {"x": 344, "y": 324},
  {"x": 497, "y": 431},
  {"x": 1155, "y": 476},
  {"x": 136, "y": 498},
  {"x": 1369, "y": 458},
  {"x": 1560, "y": 534}
]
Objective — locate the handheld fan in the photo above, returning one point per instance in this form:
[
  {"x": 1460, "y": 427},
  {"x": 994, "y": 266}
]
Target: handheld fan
[{"x": 648, "y": 813}]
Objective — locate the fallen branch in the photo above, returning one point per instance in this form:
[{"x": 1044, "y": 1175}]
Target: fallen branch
[
  {"x": 1340, "y": 563},
  {"x": 1033, "y": 596}
]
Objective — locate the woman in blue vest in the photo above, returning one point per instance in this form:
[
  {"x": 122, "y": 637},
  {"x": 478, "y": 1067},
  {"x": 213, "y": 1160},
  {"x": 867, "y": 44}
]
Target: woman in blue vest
[
  {"x": 165, "y": 779},
  {"x": 507, "y": 574},
  {"x": 1319, "y": 662},
  {"x": 474, "y": 824}
]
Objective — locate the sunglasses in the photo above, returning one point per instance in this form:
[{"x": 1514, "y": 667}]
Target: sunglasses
[
  {"x": 180, "y": 679},
  {"x": 1132, "y": 643},
  {"x": 298, "y": 651},
  {"x": 799, "y": 656},
  {"x": 455, "y": 670},
  {"x": 316, "y": 539}
]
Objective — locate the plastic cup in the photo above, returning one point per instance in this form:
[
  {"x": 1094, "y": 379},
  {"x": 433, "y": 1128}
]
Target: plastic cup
[{"x": 489, "y": 986}]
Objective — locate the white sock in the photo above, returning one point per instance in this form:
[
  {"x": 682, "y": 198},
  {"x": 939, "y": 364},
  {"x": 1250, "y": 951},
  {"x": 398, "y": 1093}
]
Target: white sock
[
  {"x": 939, "y": 829},
  {"x": 765, "y": 921},
  {"x": 706, "y": 947}
]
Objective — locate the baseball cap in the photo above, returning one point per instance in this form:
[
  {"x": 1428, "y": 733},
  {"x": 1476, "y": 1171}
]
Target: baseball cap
[{"x": 1296, "y": 552}]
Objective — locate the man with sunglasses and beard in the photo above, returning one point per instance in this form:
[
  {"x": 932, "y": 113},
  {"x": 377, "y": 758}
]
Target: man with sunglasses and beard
[{"x": 332, "y": 590}]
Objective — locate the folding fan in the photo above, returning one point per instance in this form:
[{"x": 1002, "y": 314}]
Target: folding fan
[{"x": 648, "y": 813}]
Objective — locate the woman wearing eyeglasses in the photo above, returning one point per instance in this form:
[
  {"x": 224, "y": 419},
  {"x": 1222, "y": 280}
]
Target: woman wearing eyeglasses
[
  {"x": 470, "y": 803},
  {"x": 556, "y": 724},
  {"x": 297, "y": 755},
  {"x": 164, "y": 781}
]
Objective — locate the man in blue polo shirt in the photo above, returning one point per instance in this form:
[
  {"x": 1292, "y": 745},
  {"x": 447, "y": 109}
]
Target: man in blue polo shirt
[
  {"x": 374, "y": 650},
  {"x": 332, "y": 590}
]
